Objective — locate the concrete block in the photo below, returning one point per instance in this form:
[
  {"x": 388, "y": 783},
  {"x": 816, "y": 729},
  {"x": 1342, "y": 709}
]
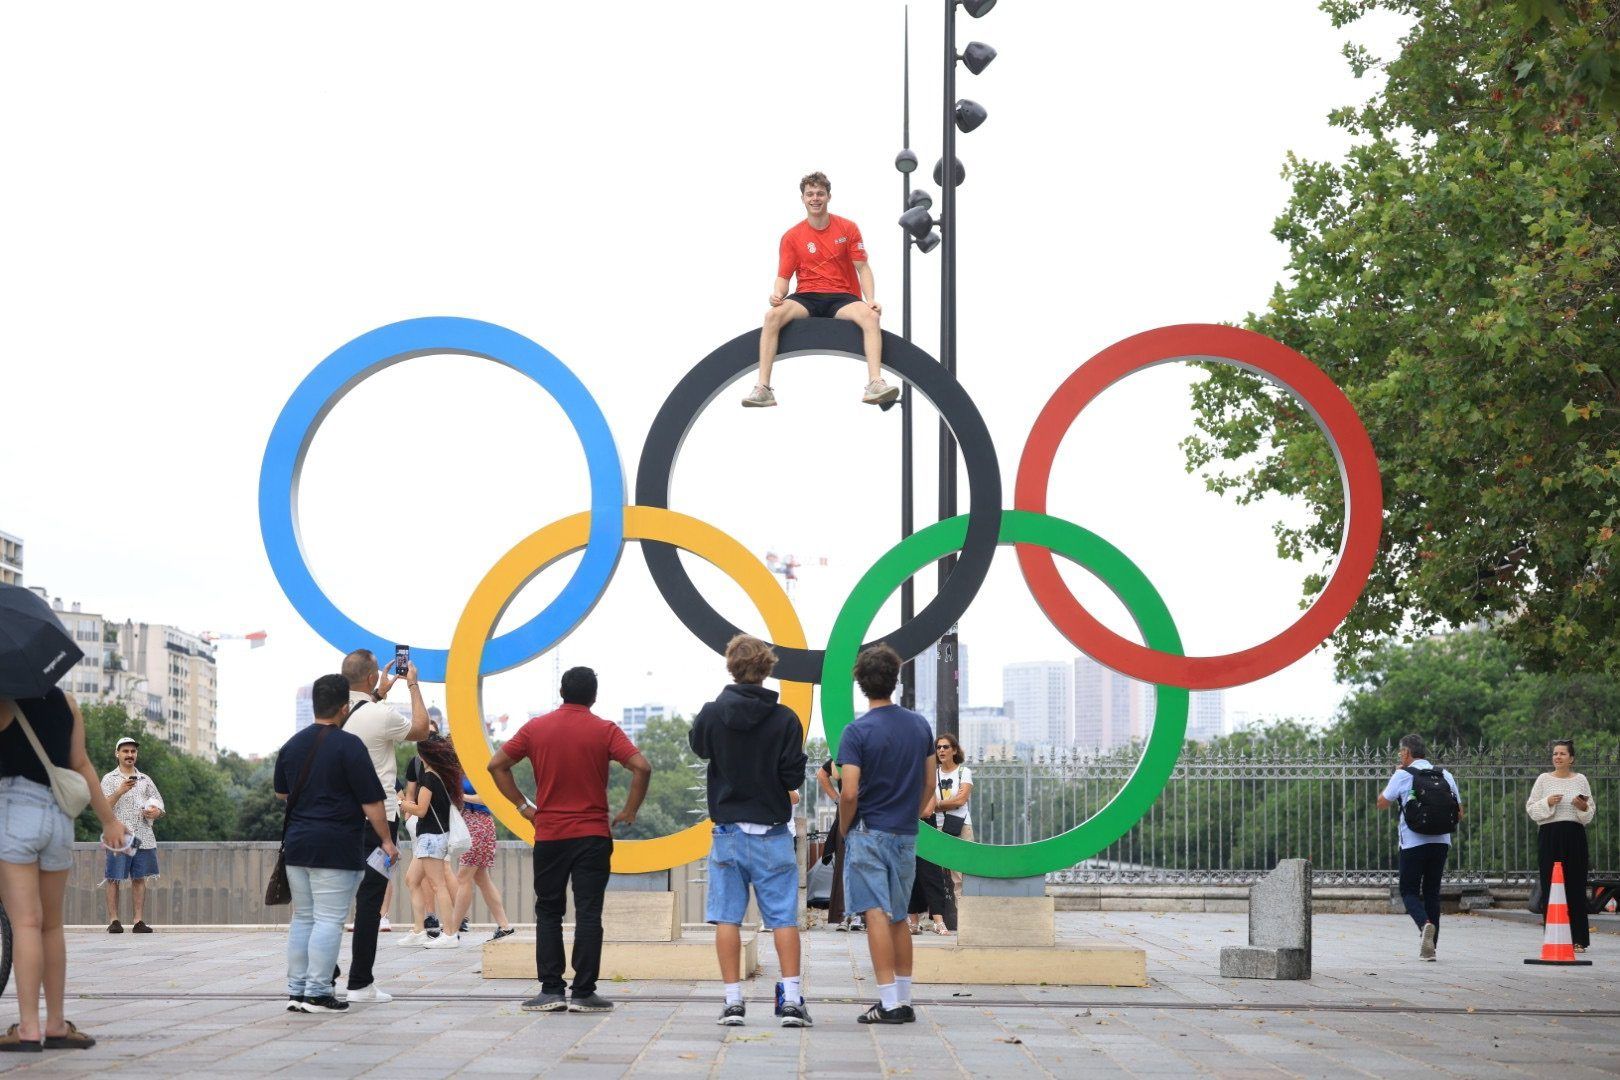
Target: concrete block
[
  {"x": 689, "y": 959},
  {"x": 1280, "y": 907},
  {"x": 1264, "y": 962},
  {"x": 1069, "y": 963},
  {"x": 1006, "y": 921},
  {"x": 640, "y": 916}
]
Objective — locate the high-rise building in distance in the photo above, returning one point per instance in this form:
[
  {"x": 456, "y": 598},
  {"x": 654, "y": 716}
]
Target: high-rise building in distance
[
  {"x": 11, "y": 559},
  {"x": 1109, "y": 709},
  {"x": 1039, "y": 698},
  {"x": 634, "y": 718},
  {"x": 303, "y": 709},
  {"x": 927, "y": 668}
]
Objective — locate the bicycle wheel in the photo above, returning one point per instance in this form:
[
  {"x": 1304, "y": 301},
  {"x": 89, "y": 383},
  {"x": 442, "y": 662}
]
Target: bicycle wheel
[{"x": 5, "y": 949}]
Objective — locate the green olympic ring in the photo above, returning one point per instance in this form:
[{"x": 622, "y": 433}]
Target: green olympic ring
[{"x": 1153, "y": 620}]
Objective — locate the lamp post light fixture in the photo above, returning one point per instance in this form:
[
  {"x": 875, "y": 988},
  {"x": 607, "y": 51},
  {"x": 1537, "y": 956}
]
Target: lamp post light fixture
[{"x": 964, "y": 115}]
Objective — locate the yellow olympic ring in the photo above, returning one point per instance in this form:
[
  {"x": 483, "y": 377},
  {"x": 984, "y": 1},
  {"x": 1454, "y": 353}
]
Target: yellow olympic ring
[{"x": 464, "y": 684}]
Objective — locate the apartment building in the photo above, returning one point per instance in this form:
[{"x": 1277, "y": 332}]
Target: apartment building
[{"x": 11, "y": 559}]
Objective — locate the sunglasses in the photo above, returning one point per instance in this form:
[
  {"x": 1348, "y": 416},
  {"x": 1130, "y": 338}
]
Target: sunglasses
[{"x": 944, "y": 746}]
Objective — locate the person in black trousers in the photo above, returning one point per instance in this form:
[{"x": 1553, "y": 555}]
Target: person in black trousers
[
  {"x": 1561, "y": 803},
  {"x": 570, "y": 750}
]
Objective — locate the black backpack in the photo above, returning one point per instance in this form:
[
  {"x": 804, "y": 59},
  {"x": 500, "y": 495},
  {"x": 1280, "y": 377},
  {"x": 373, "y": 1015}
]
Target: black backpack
[{"x": 1430, "y": 809}]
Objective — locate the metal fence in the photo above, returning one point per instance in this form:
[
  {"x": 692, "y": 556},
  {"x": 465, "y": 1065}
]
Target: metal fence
[{"x": 1227, "y": 816}]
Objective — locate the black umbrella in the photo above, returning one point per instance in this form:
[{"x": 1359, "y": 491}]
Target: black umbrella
[{"x": 35, "y": 652}]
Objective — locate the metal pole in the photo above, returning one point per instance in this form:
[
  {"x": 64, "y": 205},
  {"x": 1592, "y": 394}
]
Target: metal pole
[
  {"x": 945, "y": 717},
  {"x": 908, "y": 590}
]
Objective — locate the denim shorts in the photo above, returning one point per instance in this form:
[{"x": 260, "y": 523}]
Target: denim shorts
[
  {"x": 879, "y": 868},
  {"x": 765, "y": 861},
  {"x": 433, "y": 845},
  {"x": 142, "y": 864},
  {"x": 33, "y": 828}
]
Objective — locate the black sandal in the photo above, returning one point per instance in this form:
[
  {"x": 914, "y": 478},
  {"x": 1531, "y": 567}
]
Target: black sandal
[
  {"x": 73, "y": 1040},
  {"x": 11, "y": 1043}
]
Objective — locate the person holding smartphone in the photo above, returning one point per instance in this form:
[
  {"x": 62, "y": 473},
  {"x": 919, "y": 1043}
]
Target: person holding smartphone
[
  {"x": 1561, "y": 803},
  {"x": 137, "y": 803}
]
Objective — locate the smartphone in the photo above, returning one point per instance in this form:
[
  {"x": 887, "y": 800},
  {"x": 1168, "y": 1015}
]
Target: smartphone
[{"x": 402, "y": 660}]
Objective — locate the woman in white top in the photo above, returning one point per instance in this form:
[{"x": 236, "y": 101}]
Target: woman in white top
[
  {"x": 1561, "y": 803},
  {"x": 955, "y": 786}
]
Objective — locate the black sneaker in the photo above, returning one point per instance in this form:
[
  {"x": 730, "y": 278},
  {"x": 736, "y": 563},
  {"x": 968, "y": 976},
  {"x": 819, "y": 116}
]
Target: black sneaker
[
  {"x": 295, "y": 1002},
  {"x": 795, "y": 1015},
  {"x": 328, "y": 1003},
  {"x": 499, "y": 933},
  {"x": 732, "y": 1015},
  {"x": 431, "y": 922},
  {"x": 877, "y": 1014},
  {"x": 140, "y": 927},
  {"x": 544, "y": 1002},
  {"x": 463, "y": 929},
  {"x": 590, "y": 1003},
  {"x": 115, "y": 927}
]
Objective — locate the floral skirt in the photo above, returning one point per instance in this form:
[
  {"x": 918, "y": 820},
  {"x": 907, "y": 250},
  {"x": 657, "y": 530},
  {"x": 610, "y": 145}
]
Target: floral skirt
[{"x": 482, "y": 828}]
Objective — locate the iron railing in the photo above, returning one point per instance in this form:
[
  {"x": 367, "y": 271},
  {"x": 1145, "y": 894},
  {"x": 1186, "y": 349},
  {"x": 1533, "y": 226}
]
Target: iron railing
[{"x": 1227, "y": 816}]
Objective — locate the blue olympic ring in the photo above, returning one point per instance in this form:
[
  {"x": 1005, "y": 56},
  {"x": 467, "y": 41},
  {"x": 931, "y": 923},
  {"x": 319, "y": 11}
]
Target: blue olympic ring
[{"x": 370, "y": 353}]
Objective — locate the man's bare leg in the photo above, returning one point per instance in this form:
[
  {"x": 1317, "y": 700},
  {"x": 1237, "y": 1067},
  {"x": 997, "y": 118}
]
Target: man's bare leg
[
  {"x": 112, "y": 902},
  {"x": 728, "y": 948},
  {"x": 771, "y": 333},
  {"x": 881, "y": 942},
  {"x": 863, "y": 316},
  {"x": 137, "y": 890}
]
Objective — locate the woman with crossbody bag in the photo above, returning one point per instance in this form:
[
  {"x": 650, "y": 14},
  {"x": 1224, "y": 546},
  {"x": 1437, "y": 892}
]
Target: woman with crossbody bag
[
  {"x": 955, "y": 785},
  {"x": 436, "y": 809},
  {"x": 45, "y": 782}
]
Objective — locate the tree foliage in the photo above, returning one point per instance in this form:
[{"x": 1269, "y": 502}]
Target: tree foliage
[
  {"x": 1456, "y": 275},
  {"x": 196, "y": 793}
]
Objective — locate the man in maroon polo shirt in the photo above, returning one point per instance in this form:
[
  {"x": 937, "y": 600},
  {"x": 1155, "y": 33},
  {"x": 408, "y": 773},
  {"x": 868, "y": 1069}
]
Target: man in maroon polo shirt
[{"x": 569, "y": 750}]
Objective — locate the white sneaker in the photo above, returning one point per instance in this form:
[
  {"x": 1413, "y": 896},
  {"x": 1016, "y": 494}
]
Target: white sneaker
[
  {"x": 443, "y": 941},
  {"x": 415, "y": 937},
  {"x": 879, "y": 392},
  {"x": 368, "y": 994},
  {"x": 384, "y": 926}
]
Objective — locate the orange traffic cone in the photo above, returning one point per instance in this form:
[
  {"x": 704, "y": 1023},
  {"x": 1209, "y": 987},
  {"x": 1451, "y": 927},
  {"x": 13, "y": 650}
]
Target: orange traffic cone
[{"x": 1556, "y": 946}]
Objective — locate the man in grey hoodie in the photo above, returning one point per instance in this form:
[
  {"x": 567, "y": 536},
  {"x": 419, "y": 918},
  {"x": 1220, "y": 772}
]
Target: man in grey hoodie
[{"x": 755, "y": 749}]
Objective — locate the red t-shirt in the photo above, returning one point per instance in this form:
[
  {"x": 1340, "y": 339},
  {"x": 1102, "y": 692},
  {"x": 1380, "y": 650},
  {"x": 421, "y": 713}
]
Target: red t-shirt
[
  {"x": 569, "y": 750},
  {"x": 823, "y": 259}
]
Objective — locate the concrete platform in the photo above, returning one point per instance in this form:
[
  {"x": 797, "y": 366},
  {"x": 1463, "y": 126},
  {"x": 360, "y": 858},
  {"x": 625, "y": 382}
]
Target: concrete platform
[
  {"x": 689, "y": 958},
  {"x": 1069, "y": 962}
]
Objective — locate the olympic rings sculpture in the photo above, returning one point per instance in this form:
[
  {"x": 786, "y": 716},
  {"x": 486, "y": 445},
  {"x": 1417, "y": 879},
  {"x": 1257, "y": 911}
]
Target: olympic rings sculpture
[{"x": 662, "y": 532}]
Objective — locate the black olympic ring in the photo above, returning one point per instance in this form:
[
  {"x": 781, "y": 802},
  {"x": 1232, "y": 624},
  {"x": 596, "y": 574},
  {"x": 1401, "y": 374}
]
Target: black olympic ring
[{"x": 709, "y": 379}]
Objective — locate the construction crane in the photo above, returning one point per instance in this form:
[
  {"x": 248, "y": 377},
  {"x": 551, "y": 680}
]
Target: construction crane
[{"x": 254, "y": 639}]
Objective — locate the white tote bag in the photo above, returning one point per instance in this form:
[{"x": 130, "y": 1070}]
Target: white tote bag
[{"x": 460, "y": 839}]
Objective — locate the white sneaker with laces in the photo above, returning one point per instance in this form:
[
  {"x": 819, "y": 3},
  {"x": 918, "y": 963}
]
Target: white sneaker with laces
[
  {"x": 760, "y": 397},
  {"x": 879, "y": 392},
  {"x": 415, "y": 937},
  {"x": 369, "y": 994},
  {"x": 443, "y": 941}
]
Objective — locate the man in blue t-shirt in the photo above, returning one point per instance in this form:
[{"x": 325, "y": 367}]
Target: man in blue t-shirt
[
  {"x": 326, "y": 777},
  {"x": 888, "y": 765},
  {"x": 1423, "y": 856}
]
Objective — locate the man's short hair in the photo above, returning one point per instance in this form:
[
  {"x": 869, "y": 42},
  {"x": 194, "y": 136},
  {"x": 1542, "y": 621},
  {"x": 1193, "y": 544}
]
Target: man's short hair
[
  {"x": 817, "y": 178},
  {"x": 749, "y": 659},
  {"x": 877, "y": 669},
  {"x": 1414, "y": 745},
  {"x": 329, "y": 694},
  {"x": 578, "y": 686},
  {"x": 360, "y": 668}
]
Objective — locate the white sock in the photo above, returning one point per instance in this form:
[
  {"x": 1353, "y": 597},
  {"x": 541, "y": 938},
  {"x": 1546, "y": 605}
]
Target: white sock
[
  {"x": 902, "y": 988},
  {"x": 790, "y": 990},
  {"x": 887, "y": 996},
  {"x": 734, "y": 993}
]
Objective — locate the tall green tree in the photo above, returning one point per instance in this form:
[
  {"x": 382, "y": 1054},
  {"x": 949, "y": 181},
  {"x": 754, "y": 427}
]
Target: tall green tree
[{"x": 1456, "y": 275}]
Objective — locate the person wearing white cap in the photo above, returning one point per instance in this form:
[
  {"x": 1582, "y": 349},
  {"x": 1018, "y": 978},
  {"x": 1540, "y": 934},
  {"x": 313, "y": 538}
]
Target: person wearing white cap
[{"x": 136, "y": 803}]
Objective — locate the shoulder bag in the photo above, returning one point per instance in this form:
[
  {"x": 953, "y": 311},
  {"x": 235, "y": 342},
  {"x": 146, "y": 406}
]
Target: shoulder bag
[
  {"x": 459, "y": 837},
  {"x": 69, "y": 786},
  {"x": 278, "y": 890}
]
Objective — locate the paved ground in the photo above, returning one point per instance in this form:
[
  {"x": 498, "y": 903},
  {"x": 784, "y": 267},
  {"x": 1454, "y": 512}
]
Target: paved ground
[{"x": 177, "y": 1004}]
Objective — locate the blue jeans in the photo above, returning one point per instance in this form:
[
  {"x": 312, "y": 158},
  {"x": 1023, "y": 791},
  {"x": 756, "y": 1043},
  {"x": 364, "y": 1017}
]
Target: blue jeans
[
  {"x": 320, "y": 900},
  {"x": 767, "y": 862},
  {"x": 879, "y": 870}
]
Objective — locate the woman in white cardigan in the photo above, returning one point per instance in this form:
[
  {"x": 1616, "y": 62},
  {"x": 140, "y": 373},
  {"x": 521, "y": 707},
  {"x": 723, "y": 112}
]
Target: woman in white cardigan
[{"x": 1561, "y": 803}]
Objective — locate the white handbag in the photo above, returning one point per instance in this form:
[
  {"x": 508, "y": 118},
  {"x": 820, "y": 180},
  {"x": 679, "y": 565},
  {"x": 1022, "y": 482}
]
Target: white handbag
[
  {"x": 457, "y": 835},
  {"x": 69, "y": 786}
]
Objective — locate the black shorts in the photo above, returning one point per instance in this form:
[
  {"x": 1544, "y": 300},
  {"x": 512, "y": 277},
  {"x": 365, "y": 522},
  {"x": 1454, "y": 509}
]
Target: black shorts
[{"x": 824, "y": 305}]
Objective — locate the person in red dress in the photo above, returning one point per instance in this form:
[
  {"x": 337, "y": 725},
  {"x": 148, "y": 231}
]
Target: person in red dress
[{"x": 827, "y": 256}]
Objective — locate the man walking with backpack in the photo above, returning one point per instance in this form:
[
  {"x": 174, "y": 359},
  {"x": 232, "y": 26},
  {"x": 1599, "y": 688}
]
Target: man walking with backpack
[{"x": 1429, "y": 808}]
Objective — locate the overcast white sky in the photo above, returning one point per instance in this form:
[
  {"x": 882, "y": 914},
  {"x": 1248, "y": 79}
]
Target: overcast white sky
[{"x": 203, "y": 200}]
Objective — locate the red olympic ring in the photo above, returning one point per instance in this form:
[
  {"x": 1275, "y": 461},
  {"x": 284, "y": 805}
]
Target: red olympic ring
[{"x": 1358, "y": 467}]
